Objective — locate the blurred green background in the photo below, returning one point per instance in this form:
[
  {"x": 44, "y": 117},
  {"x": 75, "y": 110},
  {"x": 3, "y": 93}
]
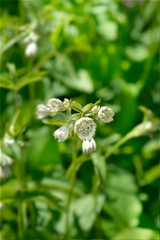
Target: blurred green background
[{"x": 86, "y": 50}]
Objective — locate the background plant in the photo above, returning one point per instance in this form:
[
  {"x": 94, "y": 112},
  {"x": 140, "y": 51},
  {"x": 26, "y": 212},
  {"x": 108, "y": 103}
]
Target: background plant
[{"x": 86, "y": 50}]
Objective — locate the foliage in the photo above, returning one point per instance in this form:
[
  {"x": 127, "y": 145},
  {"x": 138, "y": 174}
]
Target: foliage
[{"x": 86, "y": 50}]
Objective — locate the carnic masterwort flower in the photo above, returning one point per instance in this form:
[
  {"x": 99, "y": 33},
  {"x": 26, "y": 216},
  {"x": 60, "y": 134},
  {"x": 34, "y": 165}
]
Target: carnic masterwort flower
[{"x": 81, "y": 123}]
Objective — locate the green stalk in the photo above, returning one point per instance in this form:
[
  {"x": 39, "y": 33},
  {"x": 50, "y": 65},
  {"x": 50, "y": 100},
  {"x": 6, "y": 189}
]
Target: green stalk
[
  {"x": 20, "y": 174},
  {"x": 68, "y": 207},
  {"x": 118, "y": 144},
  {"x": 31, "y": 85}
]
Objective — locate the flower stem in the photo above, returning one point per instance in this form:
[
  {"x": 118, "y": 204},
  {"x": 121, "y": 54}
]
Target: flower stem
[
  {"x": 118, "y": 144},
  {"x": 68, "y": 207}
]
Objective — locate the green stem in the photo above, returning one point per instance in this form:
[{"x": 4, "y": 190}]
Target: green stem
[
  {"x": 21, "y": 10},
  {"x": 20, "y": 174},
  {"x": 118, "y": 144},
  {"x": 68, "y": 207},
  {"x": 31, "y": 85}
]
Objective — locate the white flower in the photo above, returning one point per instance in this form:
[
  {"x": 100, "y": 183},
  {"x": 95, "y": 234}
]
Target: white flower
[
  {"x": 105, "y": 114},
  {"x": 42, "y": 111},
  {"x": 95, "y": 109},
  {"x": 8, "y": 140},
  {"x": 61, "y": 133},
  {"x": 31, "y": 50},
  {"x": 89, "y": 146},
  {"x": 85, "y": 128},
  {"x": 54, "y": 105},
  {"x": 66, "y": 104}
]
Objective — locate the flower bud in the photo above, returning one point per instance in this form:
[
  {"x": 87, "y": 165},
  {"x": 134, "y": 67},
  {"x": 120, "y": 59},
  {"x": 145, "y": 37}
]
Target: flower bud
[
  {"x": 54, "y": 105},
  {"x": 66, "y": 104},
  {"x": 42, "y": 111},
  {"x": 31, "y": 50},
  {"x": 85, "y": 128},
  {"x": 95, "y": 109},
  {"x": 62, "y": 133},
  {"x": 105, "y": 114},
  {"x": 89, "y": 146}
]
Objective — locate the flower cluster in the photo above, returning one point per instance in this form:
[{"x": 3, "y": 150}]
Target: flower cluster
[
  {"x": 5, "y": 163},
  {"x": 31, "y": 48},
  {"x": 82, "y": 123}
]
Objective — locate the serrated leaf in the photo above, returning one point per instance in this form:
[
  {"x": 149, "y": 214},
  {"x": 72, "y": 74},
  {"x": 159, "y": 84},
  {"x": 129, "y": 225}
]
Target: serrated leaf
[{"x": 76, "y": 106}]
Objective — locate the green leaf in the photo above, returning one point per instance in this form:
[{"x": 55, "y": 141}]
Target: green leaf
[
  {"x": 108, "y": 30},
  {"x": 137, "y": 53},
  {"x": 151, "y": 175},
  {"x": 98, "y": 102},
  {"x": 88, "y": 107},
  {"x": 43, "y": 149},
  {"x": 10, "y": 43},
  {"x": 99, "y": 161},
  {"x": 137, "y": 234},
  {"x": 54, "y": 122},
  {"x": 86, "y": 208},
  {"x": 123, "y": 203},
  {"x": 58, "y": 184},
  {"x": 21, "y": 118},
  {"x": 76, "y": 106},
  {"x": 6, "y": 83},
  {"x": 29, "y": 78},
  {"x": 65, "y": 72},
  {"x": 12, "y": 69}
]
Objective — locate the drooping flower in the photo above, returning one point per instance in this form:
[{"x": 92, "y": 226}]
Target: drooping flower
[
  {"x": 85, "y": 128},
  {"x": 62, "y": 133},
  {"x": 42, "y": 111},
  {"x": 105, "y": 114},
  {"x": 54, "y": 105},
  {"x": 89, "y": 146},
  {"x": 31, "y": 50}
]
